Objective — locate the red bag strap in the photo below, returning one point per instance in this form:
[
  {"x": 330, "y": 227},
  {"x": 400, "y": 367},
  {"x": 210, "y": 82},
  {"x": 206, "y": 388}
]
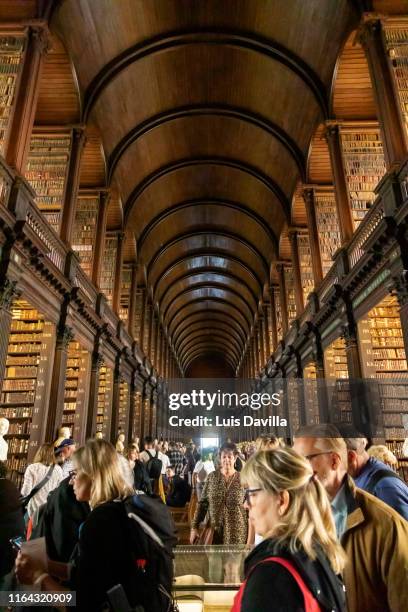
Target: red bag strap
[{"x": 311, "y": 604}]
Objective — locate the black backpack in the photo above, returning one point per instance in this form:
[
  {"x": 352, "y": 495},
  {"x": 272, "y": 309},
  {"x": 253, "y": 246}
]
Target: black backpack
[
  {"x": 154, "y": 466},
  {"x": 151, "y": 535}
]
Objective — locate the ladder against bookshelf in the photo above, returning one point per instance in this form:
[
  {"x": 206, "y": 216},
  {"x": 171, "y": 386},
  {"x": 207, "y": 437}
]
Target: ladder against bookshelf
[
  {"x": 383, "y": 357},
  {"x": 11, "y": 61},
  {"x": 108, "y": 266},
  {"x": 46, "y": 171},
  {"x": 26, "y": 384},
  {"x": 125, "y": 293},
  {"x": 328, "y": 227},
  {"x": 310, "y": 394},
  {"x": 305, "y": 261},
  {"x": 76, "y": 390},
  {"x": 83, "y": 238},
  {"x": 396, "y": 40},
  {"x": 364, "y": 165},
  {"x": 336, "y": 373},
  {"x": 290, "y": 293},
  {"x": 123, "y": 413},
  {"x": 104, "y": 407}
]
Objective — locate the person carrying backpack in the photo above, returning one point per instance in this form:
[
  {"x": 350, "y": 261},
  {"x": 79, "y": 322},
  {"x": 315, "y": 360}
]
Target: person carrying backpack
[{"x": 126, "y": 540}]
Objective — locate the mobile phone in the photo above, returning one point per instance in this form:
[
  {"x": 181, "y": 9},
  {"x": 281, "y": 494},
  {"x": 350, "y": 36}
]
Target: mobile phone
[{"x": 17, "y": 542}]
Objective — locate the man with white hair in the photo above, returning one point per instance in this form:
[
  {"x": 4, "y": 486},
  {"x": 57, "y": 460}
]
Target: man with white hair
[
  {"x": 373, "y": 475},
  {"x": 374, "y": 536}
]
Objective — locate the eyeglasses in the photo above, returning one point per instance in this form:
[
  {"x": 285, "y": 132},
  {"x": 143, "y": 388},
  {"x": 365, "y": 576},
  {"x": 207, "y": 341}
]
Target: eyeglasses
[
  {"x": 310, "y": 457},
  {"x": 248, "y": 493}
]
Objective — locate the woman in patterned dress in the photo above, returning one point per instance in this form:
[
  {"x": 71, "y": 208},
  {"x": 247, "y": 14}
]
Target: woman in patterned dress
[{"x": 222, "y": 502}]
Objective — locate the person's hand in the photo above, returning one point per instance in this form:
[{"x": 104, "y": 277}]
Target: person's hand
[
  {"x": 27, "y": 570},
  {"x": 193, "y": 536}
]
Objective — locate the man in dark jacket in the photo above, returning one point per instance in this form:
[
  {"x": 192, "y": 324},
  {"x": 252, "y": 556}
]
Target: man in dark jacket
[{"x": 11, "y": 523}]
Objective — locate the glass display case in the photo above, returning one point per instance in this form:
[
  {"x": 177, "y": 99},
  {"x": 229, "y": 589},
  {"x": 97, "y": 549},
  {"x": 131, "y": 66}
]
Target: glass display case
[{"x": 208, "y": 577}]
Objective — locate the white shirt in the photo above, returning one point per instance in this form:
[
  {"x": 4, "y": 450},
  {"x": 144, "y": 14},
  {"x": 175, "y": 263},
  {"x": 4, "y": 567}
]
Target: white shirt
[
  {"x": 144, "y": 456},
  {"x": 34, "y": 474},
  {"x": 207, "y": 465}
]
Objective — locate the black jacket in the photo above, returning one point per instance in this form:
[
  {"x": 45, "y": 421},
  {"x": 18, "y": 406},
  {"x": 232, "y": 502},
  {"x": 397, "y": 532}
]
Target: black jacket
[
  {"x": 270, "y": 582},
  {"x": 141, "y": 478},
  {"x": 11, "y": 523},
  {"x": 59, "y": 521},
  {"x": 179, "y": 492}
]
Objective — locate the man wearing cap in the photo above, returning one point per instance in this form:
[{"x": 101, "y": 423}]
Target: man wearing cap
[
  {"x": 63, "y": 453},
  {"x": 374, "y": 536}
]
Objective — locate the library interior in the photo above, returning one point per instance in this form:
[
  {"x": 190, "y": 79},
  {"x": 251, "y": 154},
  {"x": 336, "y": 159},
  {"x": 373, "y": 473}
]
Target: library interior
[{"x": 199, "y": 190}]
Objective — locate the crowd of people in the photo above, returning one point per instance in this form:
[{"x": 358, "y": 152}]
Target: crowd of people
[{"x": 324, "y": 519}]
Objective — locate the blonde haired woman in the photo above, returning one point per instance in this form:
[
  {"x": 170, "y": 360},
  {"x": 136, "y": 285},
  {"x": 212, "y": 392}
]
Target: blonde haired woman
[
  {"x": 105, "y": 553},
  {"x": 383, "y": 453},
  {"x": 297, "y": 563}
]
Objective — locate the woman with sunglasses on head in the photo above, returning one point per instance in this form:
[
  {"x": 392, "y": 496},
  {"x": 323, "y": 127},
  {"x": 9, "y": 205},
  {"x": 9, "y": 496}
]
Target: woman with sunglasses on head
[{"x": 297, "y": 564}]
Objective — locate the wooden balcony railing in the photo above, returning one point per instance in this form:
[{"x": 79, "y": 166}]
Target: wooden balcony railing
[
  {"x": 86, "y": 286},
  {"x": 372, "y": 219},
  {"x": 6, "y": 181},
  {"x": 56, "y": 250}
]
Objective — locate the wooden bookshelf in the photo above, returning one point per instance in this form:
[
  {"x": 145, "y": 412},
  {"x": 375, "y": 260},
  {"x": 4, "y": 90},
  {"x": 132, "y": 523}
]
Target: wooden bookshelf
[
  {"x": 364, "y": 165},
  {"x": 310, "y": 394},
  {"x": 76, "y": 390},
  {"x": 108, "y": 267},
  {"x": 305, "y": 261},
  {"x": 290, "y": 293},
  {"x": 328, "y": 227},
  {"x": 83, "y": 236},
  {"x": 125, "y": 293},
  {"x": 396, "y": 40},
  {"x": 137, "y": 410},
  {"x": 104, "y": 409},
  {"x": 46, "y": 171},
  {"x": 24, "y": 388},
  {"x": 123, "y": 416},
  {"x": 336, "y": 371},
  {"x": 383, "y": 357},
  {"x": 11, "y": 56}
]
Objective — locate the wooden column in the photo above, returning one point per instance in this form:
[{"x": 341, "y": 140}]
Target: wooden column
[
  {"x": 340, "y": 182},
  {"x": 297, "y": 279},
  {"x": 261, "y": 341},
  {"x": 117, "y": 285},
  {"x": 393, "y": 134},
  {"x": 72, "y": 185},
  {"x": 274, "y": 329},
  {"x": 96, "y": 364},
  {"x": 100, "y": 237},
  {"x": 132, "y": 302},
  {"x": 282, "y": 297},
  {"x": 142, "y": 316},
  {"x": 152, "y": 329},
  {"x": 310, "y": 204},
  {"x": 57, "y": 392},
  {"x": 8, "y": 293},
  {"x": 267, "y": 343},
  {"x": 132, "y": 403},
  {"x": 26, "y": 97}
]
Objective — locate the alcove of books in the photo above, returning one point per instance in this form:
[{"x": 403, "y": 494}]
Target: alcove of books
[
  {"x": 310, "y": 394},
  {"x": 305, "y": 262},
  {"x": 327, "y": 225},
  {"x": 46, "y": 171},
  {"x": 123, "y": 412},
  {"x": 364, "y": 166},
  {"x": 76, "y": 390},
  {"x": 11, "y": 59},
  {"x": 396, "y": 39},
  {"x": 125, "y": 293},
  {"x": 290, "y": 293},
  {"x": 383, "y": 357},
  {"x": 137, "y": 408},
  {"x": 83, "y": 236},
  {"x": 108, "y": 266},
  {"x": 26, "y": 384},
  {"x": 336, "y": 373},
  {"x": 104, "y": 404}
]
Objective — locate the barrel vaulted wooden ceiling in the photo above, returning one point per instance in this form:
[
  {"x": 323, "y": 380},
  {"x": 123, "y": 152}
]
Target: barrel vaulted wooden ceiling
[{"x": 207, "y": 110}]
